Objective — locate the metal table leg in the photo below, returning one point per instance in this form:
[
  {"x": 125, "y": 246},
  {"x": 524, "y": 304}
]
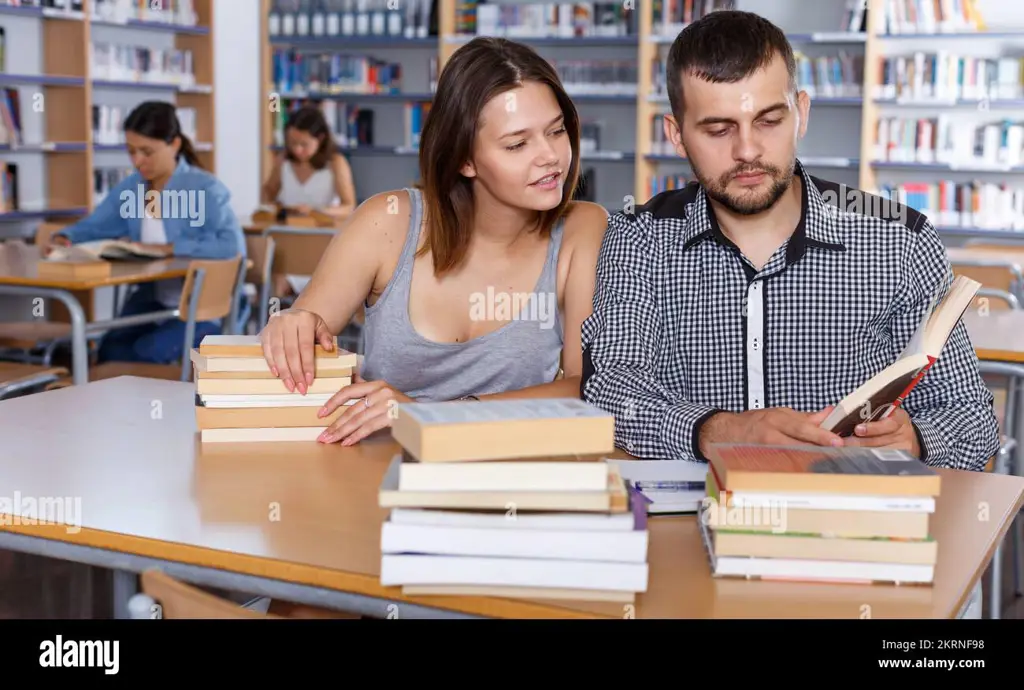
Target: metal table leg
[{"x": 79, "y": 346}]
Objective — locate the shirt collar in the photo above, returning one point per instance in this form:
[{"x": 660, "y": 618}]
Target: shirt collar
[{"x": 818, "y": 225}]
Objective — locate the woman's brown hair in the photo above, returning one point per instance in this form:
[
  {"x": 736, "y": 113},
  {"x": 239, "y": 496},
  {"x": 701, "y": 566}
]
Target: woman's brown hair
[
  {"x": 477, "y": 72},
  {"x": 310, "y": 119}
]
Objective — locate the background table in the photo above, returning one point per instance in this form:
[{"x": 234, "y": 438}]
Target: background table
[
  {"x": 300, "y": 521},
  {"x": 19, "y": 276}
]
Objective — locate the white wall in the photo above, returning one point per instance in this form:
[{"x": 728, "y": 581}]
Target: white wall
[{"x": 237, "y": 100}]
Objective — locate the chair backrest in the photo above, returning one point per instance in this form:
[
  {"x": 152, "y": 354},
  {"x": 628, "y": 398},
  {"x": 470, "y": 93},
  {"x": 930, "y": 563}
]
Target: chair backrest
[
  {"x": 996, "y": 277},
  {"x": 177, "y": 600},
  {"x": 298, "y": 251},
  {"x": 995, "y": 300},
  {"x": 218, "y": 289},
  {"x": 260, "y": 249}
]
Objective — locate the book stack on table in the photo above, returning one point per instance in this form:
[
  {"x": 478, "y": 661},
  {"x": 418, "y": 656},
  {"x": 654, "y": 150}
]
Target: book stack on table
[
  {"x": 238, "y": 398},
  {"x": 510, "y": 499},
  {"x": 807, "y": 513}
]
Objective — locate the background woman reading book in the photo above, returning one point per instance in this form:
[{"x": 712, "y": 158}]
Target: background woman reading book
[
  {"x": 476, "y": 282},
  {"x": 203, "y": 227}
]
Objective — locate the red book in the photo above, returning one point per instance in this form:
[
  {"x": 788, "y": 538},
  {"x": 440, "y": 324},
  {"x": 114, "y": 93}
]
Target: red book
[{"x": 877, "y": 397}]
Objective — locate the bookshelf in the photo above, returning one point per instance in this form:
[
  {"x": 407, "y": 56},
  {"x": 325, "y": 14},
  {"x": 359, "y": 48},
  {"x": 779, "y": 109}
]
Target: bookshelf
[
  {"x": 74, "y": 70},
  {"x": 842, "y": 68}
]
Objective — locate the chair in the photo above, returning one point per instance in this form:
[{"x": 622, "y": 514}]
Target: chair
[
  {"x": 17, "y": 378},
  {"x": 163, "y": 596},
  {"x": 260, "y": 249},
  {"x": 1006, "y": 460},
  {"x": 25, "y": 337},
  {"x": 210, "y": 290},
  {"x": 297, "y": 251}
]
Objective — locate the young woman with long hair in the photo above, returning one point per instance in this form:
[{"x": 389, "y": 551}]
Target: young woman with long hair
[
  {"x": 200, "y": 224},
  {"x": 476, "y": 281}
]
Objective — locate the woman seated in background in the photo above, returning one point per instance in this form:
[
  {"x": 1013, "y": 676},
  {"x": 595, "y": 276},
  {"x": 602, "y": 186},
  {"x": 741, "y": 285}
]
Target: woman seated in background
[
  {"x": 201, "y": 225},
  {"x": 311, "y": 175},
  {"x": 477, "y": 281}
]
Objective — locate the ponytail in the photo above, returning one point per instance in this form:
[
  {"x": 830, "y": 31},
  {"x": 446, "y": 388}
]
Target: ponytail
[
  {"x": 189, "y": 152},
  {"x": 159, "y": 120}
]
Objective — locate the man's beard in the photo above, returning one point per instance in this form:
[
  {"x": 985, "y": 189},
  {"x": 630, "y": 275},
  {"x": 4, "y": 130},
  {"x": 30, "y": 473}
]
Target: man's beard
[{"x": 751, "y": 203}]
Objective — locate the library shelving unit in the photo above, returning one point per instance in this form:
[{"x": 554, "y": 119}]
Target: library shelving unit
[
  {"x": 47, "y": 75},
  {"x": 841, "y": 52}
]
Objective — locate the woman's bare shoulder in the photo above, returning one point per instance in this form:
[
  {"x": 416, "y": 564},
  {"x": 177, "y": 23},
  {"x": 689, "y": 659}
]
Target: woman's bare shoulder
[{"x": 585, "y": 223}]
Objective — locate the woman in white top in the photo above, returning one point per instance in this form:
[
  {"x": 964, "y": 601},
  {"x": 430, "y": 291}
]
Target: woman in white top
[{"x": 310, "y": 176}]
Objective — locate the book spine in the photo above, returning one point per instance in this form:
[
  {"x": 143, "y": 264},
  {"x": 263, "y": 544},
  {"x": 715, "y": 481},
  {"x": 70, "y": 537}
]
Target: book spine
[{"x": 910, "y": 386}]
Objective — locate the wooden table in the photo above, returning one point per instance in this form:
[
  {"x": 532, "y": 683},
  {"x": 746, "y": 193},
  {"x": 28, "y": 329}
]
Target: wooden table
[
  {"x": 19, "y": 276},
  {"x": 300, "y": 522}
]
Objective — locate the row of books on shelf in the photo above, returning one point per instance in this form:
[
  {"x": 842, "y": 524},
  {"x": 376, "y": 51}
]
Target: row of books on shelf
[
  {"x": 944, "y": 140},
  {"x": 656, "y": 184},
  {"x": 8, "y": 187},
  {"x": 105, "y": 179},
  {"x": 336, "y": 73},
  {"x": 10, "y": 118},
  {"x": 108, "y": 123},
  {"x": 597, "y": 77},
  {"x": 974, "y": 204},
  {"x": 555, "y": 20},
  {"x": 944, "y": 76},
  {"x": 828, "y": 76},
  {"x": 330, "y": 18},
  {"x": 176, "y": 12},
  {"x": 119, "y": 62},
  {"x": 59, "y": 5},
  {"x": 669, "y": 17},
  {"x": 931, "y": 16}
]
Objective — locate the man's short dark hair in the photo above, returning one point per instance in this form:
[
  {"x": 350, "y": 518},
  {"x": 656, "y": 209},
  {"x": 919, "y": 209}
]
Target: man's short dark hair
[{"x": 725, "y": 46}]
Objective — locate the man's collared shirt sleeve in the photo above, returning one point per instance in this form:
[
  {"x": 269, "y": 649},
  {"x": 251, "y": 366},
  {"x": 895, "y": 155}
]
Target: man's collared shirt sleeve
[
  {"x": 622, "y": 342},
  {"x": 951, "y": 407}
]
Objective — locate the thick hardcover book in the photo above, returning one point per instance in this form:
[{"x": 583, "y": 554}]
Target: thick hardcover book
[{"x": 877, "y": 397}]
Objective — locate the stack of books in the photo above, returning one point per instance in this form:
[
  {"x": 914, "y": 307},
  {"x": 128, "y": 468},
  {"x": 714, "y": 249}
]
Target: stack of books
[
  {"x": 238, "y": 398},
  {"x": 510, "y": 499},
  {"x": 808, "y": 513}
]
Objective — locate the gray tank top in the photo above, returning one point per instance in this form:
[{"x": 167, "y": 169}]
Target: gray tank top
[{"x": 523, "y": 352}]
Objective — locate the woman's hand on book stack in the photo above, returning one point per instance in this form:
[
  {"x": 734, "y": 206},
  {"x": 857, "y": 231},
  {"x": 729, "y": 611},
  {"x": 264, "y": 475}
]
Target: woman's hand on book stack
[
  {"x": 895, "y": 431},
  {"x": 374, "y": 410},
  {"x": 289, "y": 345}
]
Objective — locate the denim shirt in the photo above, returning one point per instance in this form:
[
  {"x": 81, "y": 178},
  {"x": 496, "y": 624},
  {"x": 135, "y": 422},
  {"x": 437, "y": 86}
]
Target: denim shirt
[{"x": 196, "y": 209}]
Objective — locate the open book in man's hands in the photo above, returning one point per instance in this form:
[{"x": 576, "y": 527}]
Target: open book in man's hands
[
  {"x": 111, "y": 250},
  {"x": 882, "y": 393}
]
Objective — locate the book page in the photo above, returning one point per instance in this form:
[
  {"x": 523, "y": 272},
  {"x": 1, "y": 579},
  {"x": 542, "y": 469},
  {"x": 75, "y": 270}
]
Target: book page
[{"x": 461, "y": 412}]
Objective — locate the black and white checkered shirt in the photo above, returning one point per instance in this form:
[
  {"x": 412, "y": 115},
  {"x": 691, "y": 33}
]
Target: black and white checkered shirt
[{"x": 684, "y": 325}]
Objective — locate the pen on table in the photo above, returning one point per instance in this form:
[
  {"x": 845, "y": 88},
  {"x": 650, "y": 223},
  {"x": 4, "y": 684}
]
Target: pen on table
[{"x": 672, "y": 486}]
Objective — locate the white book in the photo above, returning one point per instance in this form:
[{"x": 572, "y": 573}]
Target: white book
[
  {"x": 616, "y": 546},
  {"x": 597, "y": 522},
  {"x": 418, "y": 569},
  {"x": 503, "y": 476},
  {"x": 265, "y": 435}
]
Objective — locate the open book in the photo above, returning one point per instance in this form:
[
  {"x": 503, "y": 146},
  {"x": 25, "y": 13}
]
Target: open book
[
  {"x": 877, "y": 397},
  {"x": 110, "y": 250}
]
